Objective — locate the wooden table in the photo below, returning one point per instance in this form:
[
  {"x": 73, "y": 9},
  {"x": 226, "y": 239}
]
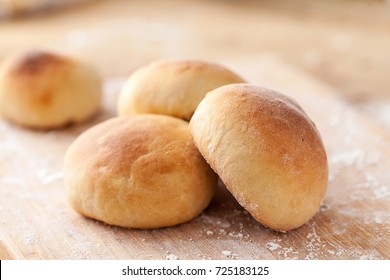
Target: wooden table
[{"x": 268, "y": 43}]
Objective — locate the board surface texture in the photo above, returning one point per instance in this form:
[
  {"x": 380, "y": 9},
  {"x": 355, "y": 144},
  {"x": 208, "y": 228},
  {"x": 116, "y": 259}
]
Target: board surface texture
[{"x": 36, "y": 221}]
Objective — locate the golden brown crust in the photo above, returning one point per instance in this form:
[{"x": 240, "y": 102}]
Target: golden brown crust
[
  {"x": 172, "y": 87},
  {"x": 46, "y": 90},
  {"x": 36, "y": 62},
  {"x": 266, "y": 150},
  {"x": 138, "y": 171}
]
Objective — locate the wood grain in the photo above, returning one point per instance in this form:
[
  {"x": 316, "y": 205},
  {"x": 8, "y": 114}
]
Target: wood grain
[
  {"x": 37, "y": 222},
  {"x": 5, "y": 253},
  {"x": 260, "y": 40}
]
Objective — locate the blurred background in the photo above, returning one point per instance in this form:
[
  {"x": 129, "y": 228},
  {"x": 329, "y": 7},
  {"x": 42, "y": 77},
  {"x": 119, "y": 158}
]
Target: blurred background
[
  {"x": 331, "y": 55},
  {"x": 343, "y": 43}
]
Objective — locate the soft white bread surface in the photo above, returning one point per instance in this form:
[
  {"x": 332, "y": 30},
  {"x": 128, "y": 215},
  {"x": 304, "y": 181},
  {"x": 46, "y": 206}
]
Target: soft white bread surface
[
  {"x": 46, "y": 90},
  {"x": 266, "y": 150},
  {"x": 140, "y": 171},
  {"x": 172, "y": 87}
]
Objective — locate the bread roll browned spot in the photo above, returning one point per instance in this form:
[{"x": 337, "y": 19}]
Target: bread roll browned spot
[{"x": 36, "y": 62}]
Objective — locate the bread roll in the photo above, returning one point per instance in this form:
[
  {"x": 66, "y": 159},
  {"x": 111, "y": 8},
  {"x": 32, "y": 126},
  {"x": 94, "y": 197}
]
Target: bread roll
[
  {"x": 266, "y": 150},
  {"x": 45, "y": 90},
  {"x": 172, "y": 87},
  {"x": 140, "y": 171}
]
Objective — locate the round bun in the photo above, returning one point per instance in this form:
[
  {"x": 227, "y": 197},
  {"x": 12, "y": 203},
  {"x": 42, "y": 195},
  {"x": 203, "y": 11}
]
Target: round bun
[
  {"x": 140, "y": 171},
  {"x": 172, "y": 87},
  {"x": 46, "y": 90},
  {"x": 266, "y": 150}
]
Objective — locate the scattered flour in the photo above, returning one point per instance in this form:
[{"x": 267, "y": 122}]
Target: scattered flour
[
  {"x": 229, "y": 254},
  {"x": 357, "y": 158},
  {"x": 237, "y": 235},
  {"x": 287, "y": 253},
  {"x": 215, "y": 221},
  {"x": 171, "y": 257},
  {"x": 12, "y": 181},
  {"x": 382, "y": 192},
  {"x": 48, "y": 177},
  {"x": 272, "y": 246},
  {"x": 314, "y": 243}
]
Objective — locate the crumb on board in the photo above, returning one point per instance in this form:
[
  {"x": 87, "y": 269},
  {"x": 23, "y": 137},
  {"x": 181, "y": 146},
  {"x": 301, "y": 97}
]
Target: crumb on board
[
  {"x": 171, "y": 257},
  {"x": 229, "y": 254}
]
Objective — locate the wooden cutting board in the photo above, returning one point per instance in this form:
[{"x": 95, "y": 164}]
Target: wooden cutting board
[
  {"x": 13, "y": 8},
  {"x": 36, "y": 221}
]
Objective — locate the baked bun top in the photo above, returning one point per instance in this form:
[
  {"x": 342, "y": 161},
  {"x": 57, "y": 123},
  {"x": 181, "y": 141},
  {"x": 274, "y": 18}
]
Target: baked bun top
[
  {"x": 47, "y": 90},
  {"x": 172, "y": 87},
  {"x": 140, "y": 171},
  {"x": 266, "y": 150}
]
